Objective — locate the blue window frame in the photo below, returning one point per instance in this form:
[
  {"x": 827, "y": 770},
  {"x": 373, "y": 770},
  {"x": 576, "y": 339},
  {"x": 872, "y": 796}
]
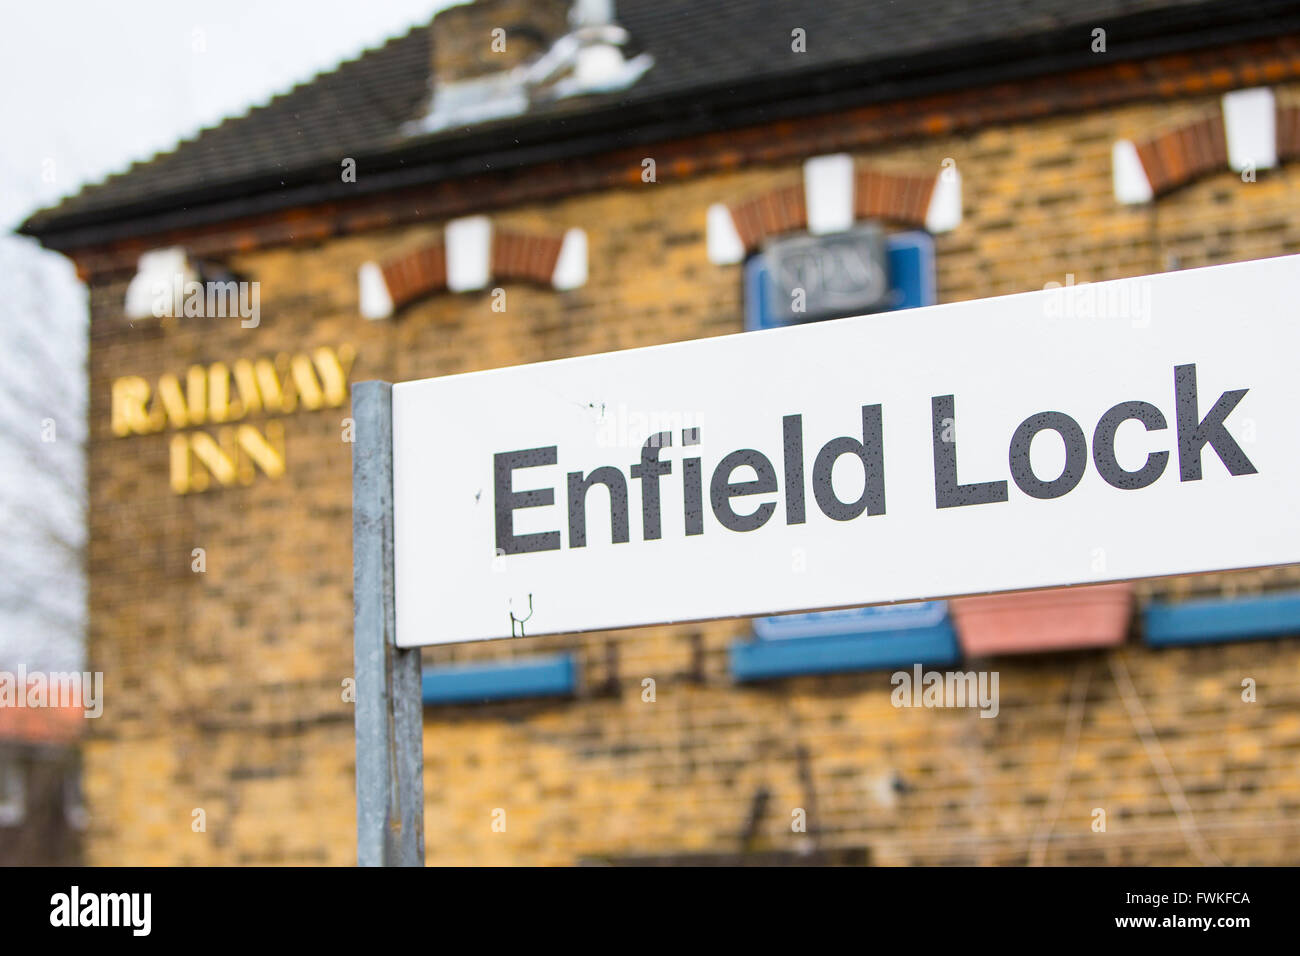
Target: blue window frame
[
  {"x": 1222, "y": 619},
  {"x": 911, "y": 277},
  {"x": 543, "y": 675},
  {"x": 865, "y": 638}
]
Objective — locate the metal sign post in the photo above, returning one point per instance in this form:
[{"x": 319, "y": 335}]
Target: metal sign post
[{"x": 389, "y": 719}]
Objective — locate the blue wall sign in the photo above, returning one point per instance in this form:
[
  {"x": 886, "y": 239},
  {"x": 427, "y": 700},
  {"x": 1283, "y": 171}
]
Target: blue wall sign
[{"x": 911, "y": 278}]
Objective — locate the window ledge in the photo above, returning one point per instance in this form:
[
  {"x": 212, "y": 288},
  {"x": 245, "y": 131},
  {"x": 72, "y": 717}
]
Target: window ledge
[
  {"x": 1222, "y": 619},
  {"x": 934, "y": 644},
  {"x": 551, "y": 675}
]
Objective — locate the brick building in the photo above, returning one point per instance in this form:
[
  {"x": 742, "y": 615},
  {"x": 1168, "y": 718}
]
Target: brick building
[{"x": 519, "y": 182}]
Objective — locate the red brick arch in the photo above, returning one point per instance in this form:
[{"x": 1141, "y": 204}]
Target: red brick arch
[
  {"x": 515, "y": 257},
  {"x": 777, "y": 211},
  {"x": 1198, "y": 149},
  {"x": 1186, "y": 154},
  {"x": 525, "y": 258},
  {"x": 1288, "y": 133},
  {"x": 894, "y": 197},
  {"x": 416, "y": 274}
]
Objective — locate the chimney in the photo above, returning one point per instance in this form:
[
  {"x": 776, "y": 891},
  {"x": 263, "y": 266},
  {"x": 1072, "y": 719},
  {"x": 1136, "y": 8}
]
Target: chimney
[{"x": 492, "y": 36}]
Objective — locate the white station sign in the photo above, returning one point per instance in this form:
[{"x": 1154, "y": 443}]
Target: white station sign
[{"x": 1088, "y": 433}]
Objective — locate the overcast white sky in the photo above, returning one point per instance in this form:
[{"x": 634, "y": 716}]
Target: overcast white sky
[
  {"x": 94, "y": 84},
  {"x": 86, "y": 88}
]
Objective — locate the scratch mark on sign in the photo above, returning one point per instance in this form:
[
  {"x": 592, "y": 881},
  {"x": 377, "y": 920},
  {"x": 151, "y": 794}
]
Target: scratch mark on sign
[
  {"x": 598, "y": 407},
  {"x": 520, "y": 620}
]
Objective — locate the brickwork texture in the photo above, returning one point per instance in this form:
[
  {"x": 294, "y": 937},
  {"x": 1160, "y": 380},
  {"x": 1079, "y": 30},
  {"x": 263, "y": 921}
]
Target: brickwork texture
[{"x": 225, "y": 688}]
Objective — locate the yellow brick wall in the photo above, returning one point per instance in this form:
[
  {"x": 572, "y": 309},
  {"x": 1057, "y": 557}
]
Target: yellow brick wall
[{"x": 224, "y": 688}]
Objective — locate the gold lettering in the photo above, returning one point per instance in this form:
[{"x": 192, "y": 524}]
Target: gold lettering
[
  {"x": 276, "y": 382},
  {"x": 260, "y": 386},
  {"x": 180, "y": 456},
  {"x": 304, "y": 380},
  {"x": 130, "y": 396},
  {"x": 246, "y": 383},
  {"x": 220, "y": 460},
  {"x": 196, "y": 388},
  {"x": 173, "y": 401},
  {"x": 315, "y": 379},
  {"x": 266, "y": 453},
  {"x": 234, "y": 457},
  {"x": 334, "y": 366},
  {"x": 220, "y": 407}
]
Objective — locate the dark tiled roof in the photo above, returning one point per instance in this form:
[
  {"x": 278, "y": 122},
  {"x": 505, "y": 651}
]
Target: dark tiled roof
[{"x": 706, "y": 55}]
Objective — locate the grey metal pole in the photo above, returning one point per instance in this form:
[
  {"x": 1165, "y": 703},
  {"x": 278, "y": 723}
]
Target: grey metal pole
[{"x": 389, "y": 709}]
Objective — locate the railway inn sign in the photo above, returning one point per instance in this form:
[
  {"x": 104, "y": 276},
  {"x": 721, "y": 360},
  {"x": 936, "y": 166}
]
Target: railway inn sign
[
  {"x": 982, "y": 446},
  {"x": 230, "y": 449}
]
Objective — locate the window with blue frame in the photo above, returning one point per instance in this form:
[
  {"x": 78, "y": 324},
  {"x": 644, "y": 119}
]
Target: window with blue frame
[
  {"x": 1206, "y": 620},
  {"x": 873, "y": 638},
  {"x": 540, "y": 675},
  {"x": 857, "y": 639}
]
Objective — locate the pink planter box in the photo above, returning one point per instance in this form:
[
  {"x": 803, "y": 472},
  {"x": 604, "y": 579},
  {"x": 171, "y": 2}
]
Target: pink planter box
[{"x": 1057, "y": 619}]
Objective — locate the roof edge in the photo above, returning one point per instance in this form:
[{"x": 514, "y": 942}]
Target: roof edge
[{"x": 514, "y": 145}]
